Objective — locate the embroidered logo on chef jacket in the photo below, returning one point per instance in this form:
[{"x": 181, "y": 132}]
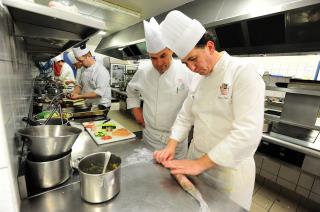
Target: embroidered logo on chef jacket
[{"x": 225, "y": 91}]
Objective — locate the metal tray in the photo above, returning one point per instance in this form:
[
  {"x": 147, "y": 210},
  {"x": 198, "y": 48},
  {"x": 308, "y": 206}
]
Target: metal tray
[{"x": 93, "y": 112}]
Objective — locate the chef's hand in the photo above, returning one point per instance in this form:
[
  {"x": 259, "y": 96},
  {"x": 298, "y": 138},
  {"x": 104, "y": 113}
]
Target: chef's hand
[
  {"x": 67, "y": 82},
  {"x": 167, "y": 153},
  {"x": 189, "y": 167},
  {"x": 75, "y": 96},
  {"x": 138, "y": 115}
]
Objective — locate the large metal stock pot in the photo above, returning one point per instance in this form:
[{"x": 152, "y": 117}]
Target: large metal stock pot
[
  {"x": 46, "y": 174},
  {"x": 95, "y": 186},
  {"x": 48, "y": 142}
]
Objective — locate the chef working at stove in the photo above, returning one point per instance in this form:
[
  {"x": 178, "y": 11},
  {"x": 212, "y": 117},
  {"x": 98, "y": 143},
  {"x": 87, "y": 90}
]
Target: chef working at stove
[
  {"x": 226, "y": 110},
  {"x": 163, "y": 84},
  {"x": 76, "y": 64},
  {"x": 94, "y": 83},
  {"x": 62, "y": 71}
]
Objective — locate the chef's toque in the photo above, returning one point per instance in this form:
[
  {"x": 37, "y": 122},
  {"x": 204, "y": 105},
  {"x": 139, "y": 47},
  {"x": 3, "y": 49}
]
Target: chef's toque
[
  {"x": 80, "y": 51},
  {"x": 57, "y": 58},
  {"x": 72, "y": 58},
  {"x": 181, "y": 33},
  {"x": 153, "y": 36}
]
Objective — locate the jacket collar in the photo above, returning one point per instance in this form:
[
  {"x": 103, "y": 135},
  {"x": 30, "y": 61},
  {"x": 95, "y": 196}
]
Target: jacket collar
[{"x": 221, "y": 64}]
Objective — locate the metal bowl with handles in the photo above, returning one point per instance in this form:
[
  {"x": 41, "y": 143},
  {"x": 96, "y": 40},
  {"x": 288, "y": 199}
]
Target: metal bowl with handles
[
  {"x": 50, "y": 141},
  {"x": 95, "y": 186}
]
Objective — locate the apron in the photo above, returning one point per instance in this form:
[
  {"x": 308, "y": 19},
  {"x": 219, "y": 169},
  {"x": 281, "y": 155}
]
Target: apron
[
  {"x": 157, "y": 140},
  {"x": 237, "y": 184}
]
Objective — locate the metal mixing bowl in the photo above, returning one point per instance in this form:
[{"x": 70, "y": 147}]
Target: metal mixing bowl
[{"x": 50, "y": 141}]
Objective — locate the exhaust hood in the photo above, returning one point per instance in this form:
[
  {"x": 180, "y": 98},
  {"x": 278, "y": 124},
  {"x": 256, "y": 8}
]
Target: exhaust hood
[
  {"x": 125, "y": 44},
  {"x": 240, "y": 27},
  {"x": 49, "y": 31}
]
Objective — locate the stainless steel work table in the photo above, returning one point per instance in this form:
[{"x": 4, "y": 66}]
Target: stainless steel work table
[{"x": 144, "y": 187}]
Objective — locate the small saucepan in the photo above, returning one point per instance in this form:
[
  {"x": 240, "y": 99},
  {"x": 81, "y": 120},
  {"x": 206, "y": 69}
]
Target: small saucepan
[{"x": 95, "y": 186}]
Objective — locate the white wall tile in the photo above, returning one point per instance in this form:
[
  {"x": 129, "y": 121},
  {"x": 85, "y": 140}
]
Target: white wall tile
[
  {"x": 270, "y": 166},
  {"x": 258, "y": 170},
  {"x": 268, "y": 175},
  {"x": 286, "y": 184},
  {"x": 258, "y": 160},
  {"x": 4, "y": 38},
  {"x": 5, "y": 91},
  {"x": 289, "y": 173},
  {"x": 316, "y": 186},
  {"x": 315, "y": 197},
  {"x": 15, "y": 71},
  {"x": 302, "y": 191},
  {"x": 306, "y": 180},
  {"x": 298, "y": 66}
]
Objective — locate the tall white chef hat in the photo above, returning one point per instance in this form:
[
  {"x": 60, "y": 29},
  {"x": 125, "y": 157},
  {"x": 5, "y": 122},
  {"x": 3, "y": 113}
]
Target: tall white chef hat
[
  {"x": 153, "y": 36},
  {"x": 57, "y": 58},
  {"x": 80, "y": 51},
  {"x": 72, "y": 58},
  {"x": 181, "y": 33}
]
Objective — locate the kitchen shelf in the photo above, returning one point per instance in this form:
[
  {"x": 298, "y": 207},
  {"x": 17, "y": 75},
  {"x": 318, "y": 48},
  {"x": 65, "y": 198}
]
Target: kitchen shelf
[{"x": 294, "y": 90}]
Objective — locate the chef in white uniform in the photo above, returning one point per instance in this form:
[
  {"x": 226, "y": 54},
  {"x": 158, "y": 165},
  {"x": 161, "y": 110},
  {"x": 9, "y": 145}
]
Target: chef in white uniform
[
  {"x": 77, "y": 65},
  {"x": 94, "y": 83},
  {"x": 66, "y": 73},
  {"x": 163, "y": 84},
  {"x": 226, "y": 109}
]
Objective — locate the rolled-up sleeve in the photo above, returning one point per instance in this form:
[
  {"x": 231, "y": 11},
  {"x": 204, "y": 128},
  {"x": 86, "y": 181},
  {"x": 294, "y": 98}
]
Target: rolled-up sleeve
[
  {"x": 246, "y": 132},
  {"x": 134, "y": 90}
]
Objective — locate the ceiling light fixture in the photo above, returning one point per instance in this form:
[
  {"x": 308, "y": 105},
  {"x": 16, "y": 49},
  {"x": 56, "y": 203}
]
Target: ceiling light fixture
[
  {"x": 103, "y": 33},
  {"x": 112, "y": 7}
]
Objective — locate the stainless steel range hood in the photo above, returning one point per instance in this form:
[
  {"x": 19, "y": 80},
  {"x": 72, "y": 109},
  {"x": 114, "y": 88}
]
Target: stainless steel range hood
[
  {"x": 49, "y": 31},
  {"x": 210, "y": 13},
  {"x": 126, "y": 44}
]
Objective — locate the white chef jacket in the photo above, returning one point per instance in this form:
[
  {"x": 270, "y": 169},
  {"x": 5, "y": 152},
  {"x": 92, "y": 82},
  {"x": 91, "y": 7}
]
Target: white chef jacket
[
  {"x": 66, "y": 73},
  {"x": 78, "y": 75},
  {"x": 163, "y": 96},
  {"x": 227, "y": 110},
  {"x": 96, "y": 78}
]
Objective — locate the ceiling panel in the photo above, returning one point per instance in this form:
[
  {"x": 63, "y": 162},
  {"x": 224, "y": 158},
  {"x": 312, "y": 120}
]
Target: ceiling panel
[
  {"x": 150, "y": 8},
  {"x": 115, "y": 17},
  {"x": 116, "y": 21},
  {"x": 85, "y": 9}
]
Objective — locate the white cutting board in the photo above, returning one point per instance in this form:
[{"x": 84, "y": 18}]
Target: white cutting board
[{"x": 99, "y": 140}]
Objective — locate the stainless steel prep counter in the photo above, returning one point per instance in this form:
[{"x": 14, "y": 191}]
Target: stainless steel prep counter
[{"x": 144, "y": 187}]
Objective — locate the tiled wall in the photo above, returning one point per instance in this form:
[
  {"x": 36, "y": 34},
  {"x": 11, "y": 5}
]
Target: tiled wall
[
  {"x": 290, "y": 177},
  {"x": 15, "y": 91},
  {"x": 297, "y": 66}
]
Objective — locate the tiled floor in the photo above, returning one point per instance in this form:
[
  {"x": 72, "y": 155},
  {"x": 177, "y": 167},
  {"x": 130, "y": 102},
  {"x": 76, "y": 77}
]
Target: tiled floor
[
  {"x": 126, "y": 119},
  {"x": 268, "y": 198}
]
